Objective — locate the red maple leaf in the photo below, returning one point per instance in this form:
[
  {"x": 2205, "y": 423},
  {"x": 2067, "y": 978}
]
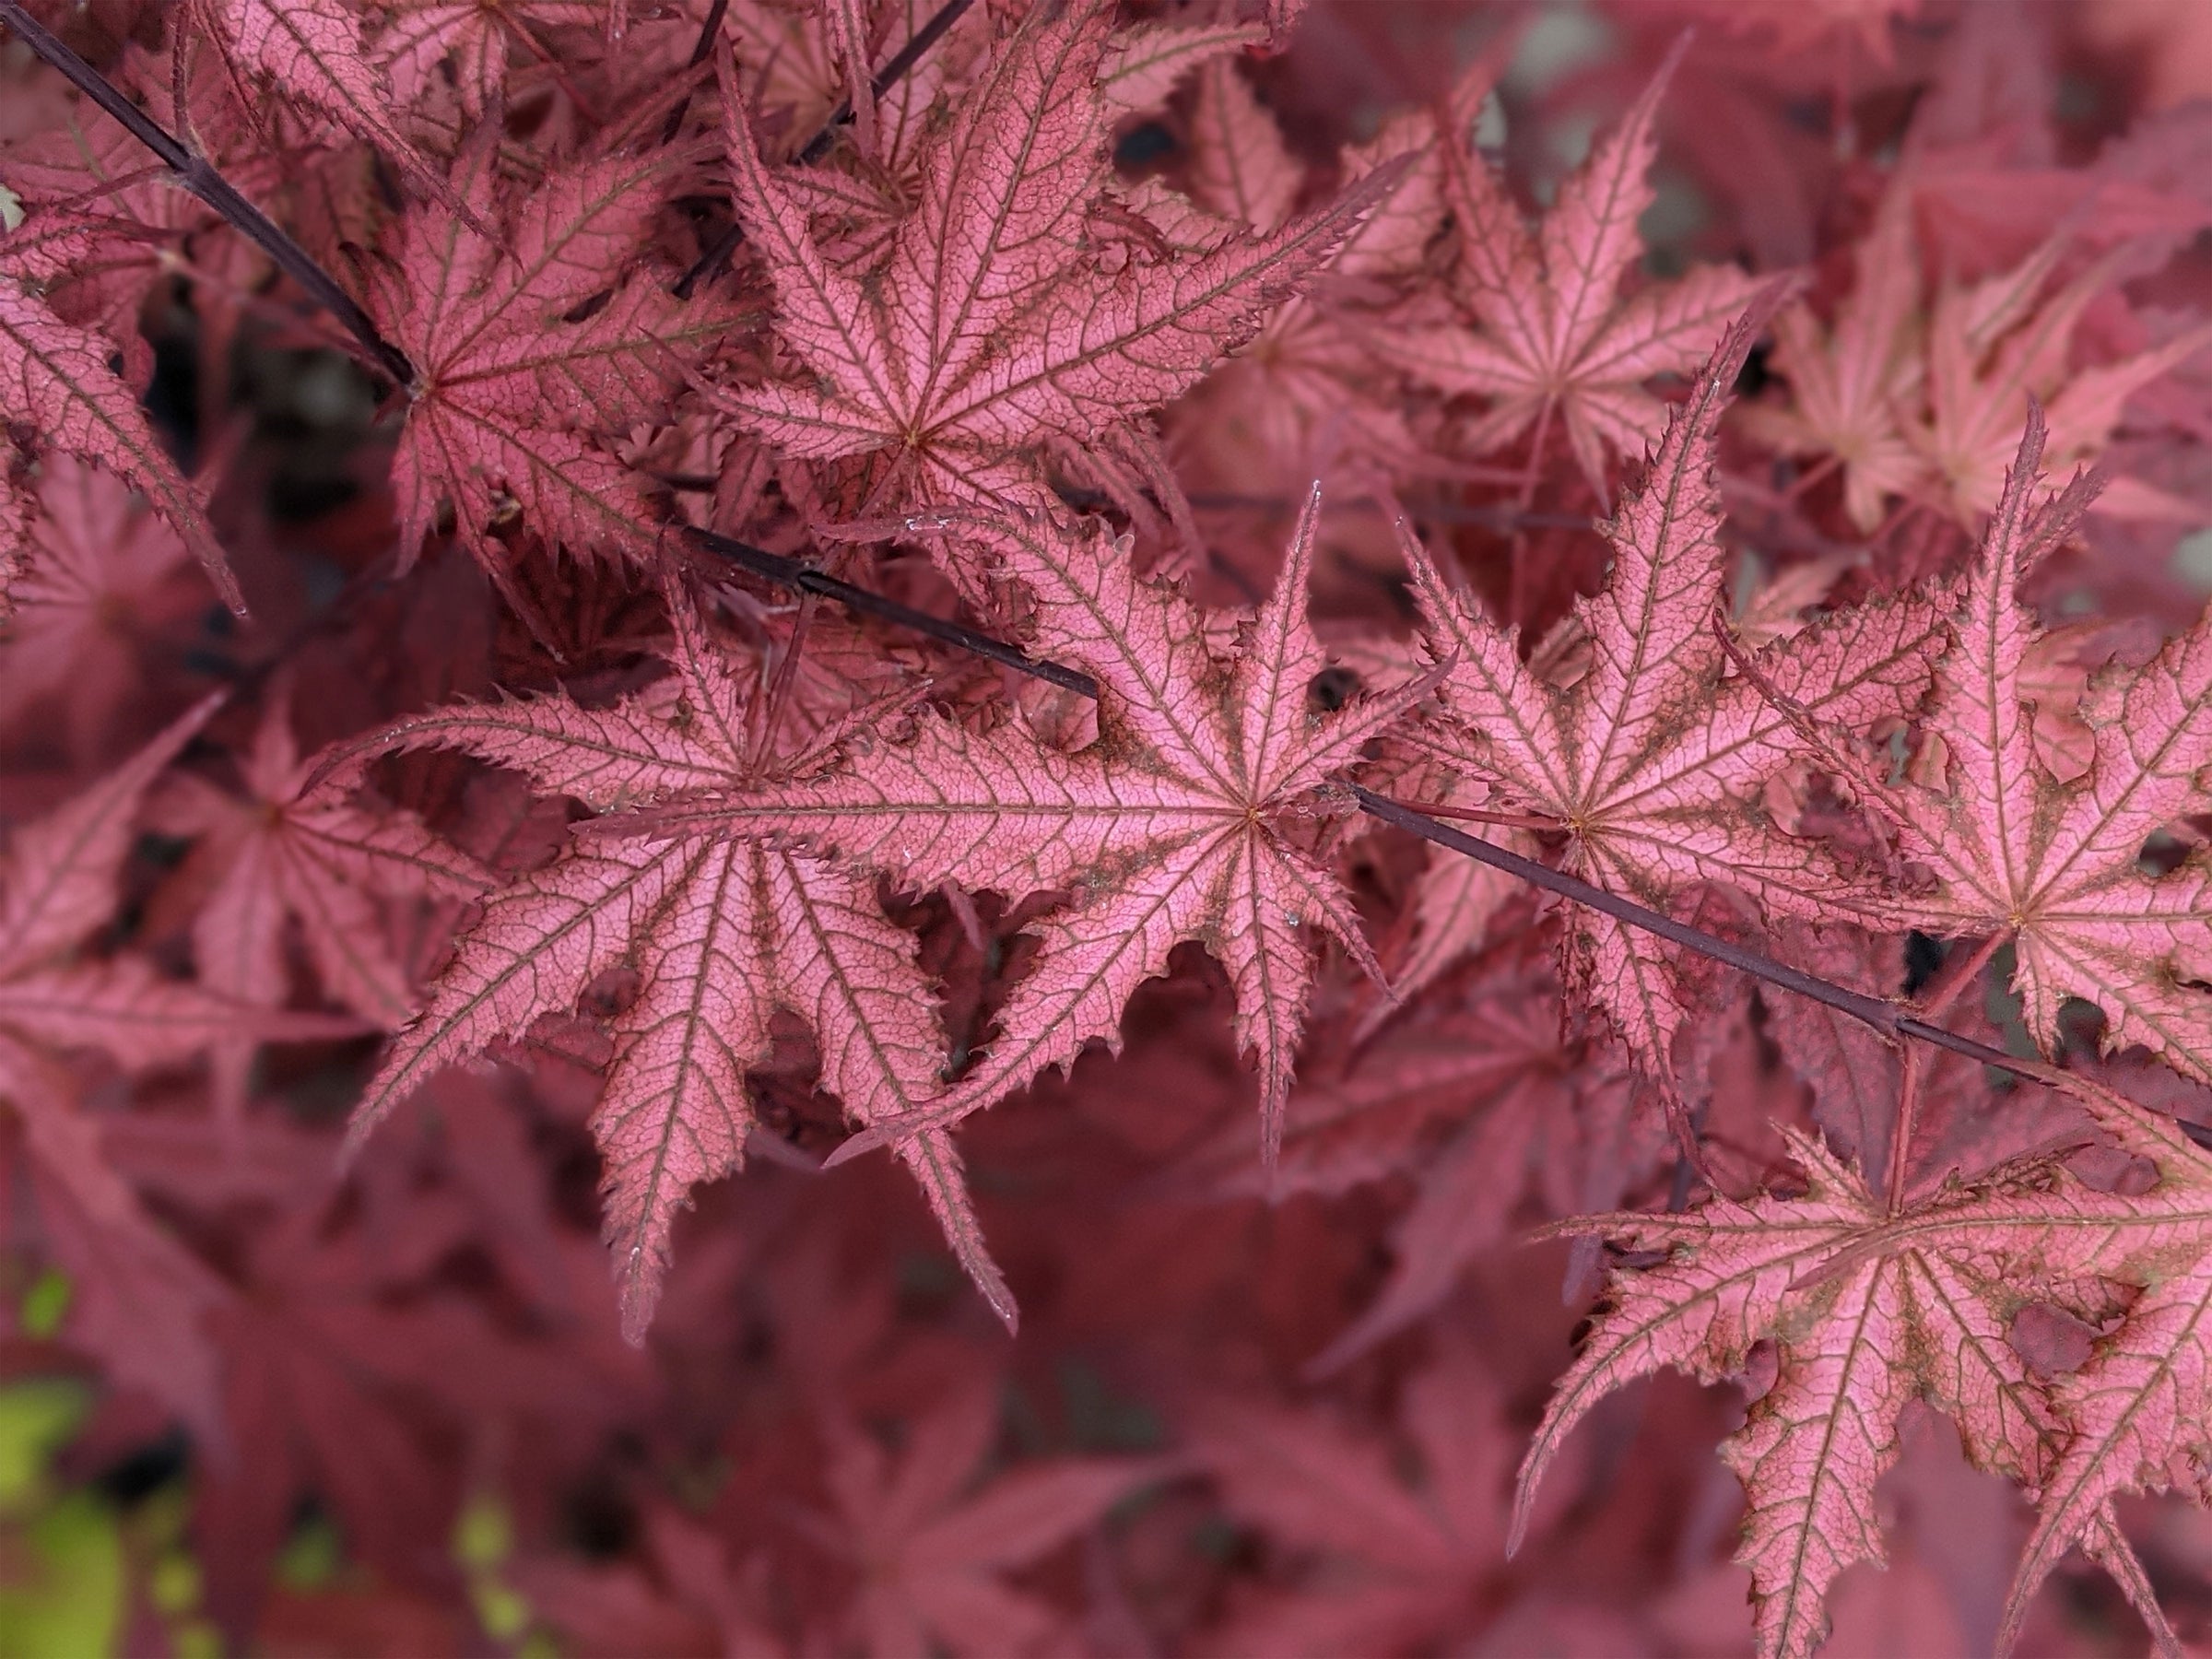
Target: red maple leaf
[
  {"x": 1398, "y": 1563},
  {"x": 1196, "y": 815},
  {"x": 2055, "y": 863},
  {"x": 311, "y": 50},
  {"x": 102, "y": 578},
  {"x": 55, "y": 375},
  {"x": 529, "y": 363},
  {"x": 1869, "y": 1306},
  {"x": 1543, "y": 330},
  {"x": 929, "y": 1549},
  {"x": 283, "y": 851},
  {"x": 978, "y": 331},
  {"x": 1650, "y": 764},
  {"x": 145, "y": 1294},
  {"x": 721, "y": 934}
]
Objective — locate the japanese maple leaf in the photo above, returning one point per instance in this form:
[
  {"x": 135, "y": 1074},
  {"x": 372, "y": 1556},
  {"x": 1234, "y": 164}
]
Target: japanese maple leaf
[
  {"x": 2135, "y": 1415},
  {"x": 981, "y": 328},
  {"x": 1651, "y": 763},
  {"x": 284, "y": 851},
  {"x": 1306, "y": 395},
  {"x": 1391, "y": 1106},
  {"x": 2057, "y": 866},
  {"x": 1998, "y": 345},
  {"x": 422, "y": 38},
  {"x": 1868, "y": 1307},
  {"x": 722, "y": 933},
  {"x": 1569, "y": 1126},
  {"x": 91, "y": 173},
  {"x": 1542, "y": 329},
  {"x": 1404, "y": 1565},
  {"x": 929, "y": 1545},
  {"x": 103, "y": 576},
  {"x": 59, "y": 885},
  {"x": 1191, "y": 818},
  {"x": 338, "y": 1362},
  {"x": 527, "y": 364},
  {"x": 1142, "y": 65},
  {"x": 60, "y": 888},
  {"x": 54, "y": 381},
  {"x": 1853, "y": 384},
  {"x": 695, "y": 1603},
  {"x": 311, "y": 50}
]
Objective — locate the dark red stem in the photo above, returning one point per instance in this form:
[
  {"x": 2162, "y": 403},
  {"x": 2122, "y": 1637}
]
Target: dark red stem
[
  {"x": 197, "y": 175},
  {"x": 711, "y": 262}
]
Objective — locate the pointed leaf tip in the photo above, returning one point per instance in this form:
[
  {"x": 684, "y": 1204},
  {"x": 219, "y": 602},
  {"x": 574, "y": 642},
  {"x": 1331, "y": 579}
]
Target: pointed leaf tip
[{"x": 856, "y": 1146}]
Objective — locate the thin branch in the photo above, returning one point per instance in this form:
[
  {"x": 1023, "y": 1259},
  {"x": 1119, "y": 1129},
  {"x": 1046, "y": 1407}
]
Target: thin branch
[
  {"x": 1885, "y": 1017},
  {"x": 805, "y": 579},
  {"x": 902, "y": 61},
  {"x": 709, "y": 32},
  {"x": 198, "y": 175},
  {"x": 1476, "y": 815}
]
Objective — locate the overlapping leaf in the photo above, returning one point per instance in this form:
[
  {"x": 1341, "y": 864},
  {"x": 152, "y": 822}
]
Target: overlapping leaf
[
  {"x": 930, "y": 1553},
  {"x": 721, "y": 932},
  {"x": 1868, "y": 1307},
  {"x": 57, "y": 888},
  {"x": 2059, "y": 866},
  {"x": 1650, "y": 764},
  {"x": 1543, "y": 329},
  {"x": 1193, "y": 817},
  {"x": 282, "y": 851},
  {"x": 982, "y": 327},
  {"x": 55, "y": 375},
  {"x": 312, "y": 49},
  {"x": 527, "y": 364}
]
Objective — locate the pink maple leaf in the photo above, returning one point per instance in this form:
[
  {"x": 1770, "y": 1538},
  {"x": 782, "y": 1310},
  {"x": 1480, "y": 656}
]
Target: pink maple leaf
[
  {"x": 58, "y": 885},
  {"x": 529, "y": 363},
  {"x": 1651, "y": 762},
  {"x": 2055, "y": 863},
  {"x": 2000, "y": 345},
  {"x": 930, "y": 1545},
  {"x": 1853, "y": 383},
  {"x": 283, "y": 851},
  {"x": 1869, "y": 1306},
  {"x": 101, "y": 578},
  {"x": 723, "y": 934},
  {"x": 312, "y": 49},
  {"x": 54, "y": 376},
  {"x": 1196, "y": 815},
  {"x": 422, "y": 38},
  {"x": 976, "y": 333},
  {"x": 2133, "y": 1417},
  {"x": 1402, "y": 1565},
  {"x": 1543, "y": 330}
]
